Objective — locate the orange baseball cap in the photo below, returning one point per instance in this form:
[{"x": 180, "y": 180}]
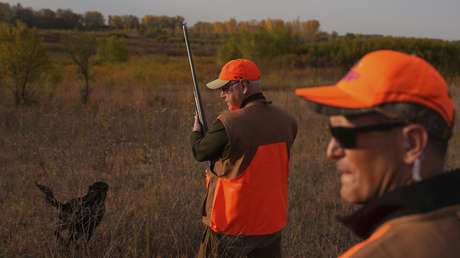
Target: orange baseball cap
[
  {"x": 235, "y": 70},
  {"x": 383, "y": 77}
]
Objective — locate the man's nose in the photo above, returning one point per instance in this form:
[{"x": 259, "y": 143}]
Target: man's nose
[{"x": 334, "y": 150}]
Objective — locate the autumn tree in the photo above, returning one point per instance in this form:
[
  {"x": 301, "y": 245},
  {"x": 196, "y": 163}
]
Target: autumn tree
[
  {"x": 163, "y": 22},
  {"x": 294, "y": 26},
  {"x": 81, "y": 46},
  {"x": 93, "y": 20},
  {"x": 123, "y": 22},
  {"x": 130, "y": 22},
  {"x": 231, "y": 26},
  {"x": 115, "y": 22},
  {"x": 160, "y": 26},
  {"x": 250, "y": 26},
  {"x": 261, "y": 24},
  {"x": 219, "y": 28},
  {"x": 309, "y": 29},
  {"x": 22, "y": 58},
  {"x": 274, "y": 24},
  {"x": 202, "y": 28}
]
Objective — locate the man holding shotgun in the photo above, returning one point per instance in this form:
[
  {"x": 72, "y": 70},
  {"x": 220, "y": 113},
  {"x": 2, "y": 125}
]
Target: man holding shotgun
[
  {"x": 245, "y": 207},
  {"x": 391, "y": 118}
]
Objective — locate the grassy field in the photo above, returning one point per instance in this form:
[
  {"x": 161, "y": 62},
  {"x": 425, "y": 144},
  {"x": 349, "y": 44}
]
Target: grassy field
[{"x": 134, "y": 134}]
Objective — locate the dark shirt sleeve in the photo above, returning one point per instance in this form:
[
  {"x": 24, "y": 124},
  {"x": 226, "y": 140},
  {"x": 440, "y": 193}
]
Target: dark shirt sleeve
[{"x": 212, "y": 145}]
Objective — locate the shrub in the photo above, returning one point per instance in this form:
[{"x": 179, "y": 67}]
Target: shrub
[{"x": 113, "y": 49}]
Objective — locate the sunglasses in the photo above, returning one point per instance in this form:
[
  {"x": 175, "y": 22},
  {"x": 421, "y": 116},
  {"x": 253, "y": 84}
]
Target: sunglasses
[
  {"x": 346, "y": 136},
  {"x": 227, "y": 86}
]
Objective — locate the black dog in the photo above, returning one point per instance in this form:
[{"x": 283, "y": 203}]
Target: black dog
[{"x": 80, "y": 216}]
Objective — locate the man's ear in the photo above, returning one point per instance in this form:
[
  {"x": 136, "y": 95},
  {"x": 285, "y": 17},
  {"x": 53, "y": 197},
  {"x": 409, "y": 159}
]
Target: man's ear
[
  {"x": 244, "y": 87},
  {"x": 415, "y": 142}
]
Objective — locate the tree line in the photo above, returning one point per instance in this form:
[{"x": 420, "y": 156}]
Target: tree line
[
  {"x": 150, "y": 25},
  {"x": 263, "y": 45},
  {"x": 90, "y": 20},
  {"x": 305, "y": 30}
]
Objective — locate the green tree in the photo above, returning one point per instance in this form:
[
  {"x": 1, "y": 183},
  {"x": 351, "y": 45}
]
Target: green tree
[
  {"x": 81, "y": 46},
  {"x": 22, "y": 58},
  {"x": 228, "y": 51}
]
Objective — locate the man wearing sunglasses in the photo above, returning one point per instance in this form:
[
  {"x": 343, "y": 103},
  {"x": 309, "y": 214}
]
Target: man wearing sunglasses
[
  {"x": 391, "y": 118},
  {"x": 246, "y": 201}
]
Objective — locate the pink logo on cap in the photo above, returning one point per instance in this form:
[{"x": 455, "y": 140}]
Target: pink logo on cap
[{"x": 352, "y": 74}]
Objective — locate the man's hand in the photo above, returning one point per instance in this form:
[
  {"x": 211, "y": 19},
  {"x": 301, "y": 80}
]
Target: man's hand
[{"x": 197, "y": 125}]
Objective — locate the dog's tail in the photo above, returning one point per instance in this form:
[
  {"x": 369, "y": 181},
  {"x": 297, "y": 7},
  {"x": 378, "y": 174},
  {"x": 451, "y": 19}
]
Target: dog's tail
[{"x": 49, "y": 195}]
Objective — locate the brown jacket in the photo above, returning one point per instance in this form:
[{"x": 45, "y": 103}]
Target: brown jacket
[{"x": 420, "y": 220}]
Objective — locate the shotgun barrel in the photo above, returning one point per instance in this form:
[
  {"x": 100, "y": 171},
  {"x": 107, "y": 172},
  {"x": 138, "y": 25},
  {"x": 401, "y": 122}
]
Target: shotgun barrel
[{"x": 196, "y": 92}]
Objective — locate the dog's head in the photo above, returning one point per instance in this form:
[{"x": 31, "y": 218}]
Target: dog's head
[{"x": 100, "y": 186}]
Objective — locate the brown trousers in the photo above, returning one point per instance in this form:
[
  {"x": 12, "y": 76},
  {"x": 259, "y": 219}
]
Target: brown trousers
[{"x": 217, "y": 245}]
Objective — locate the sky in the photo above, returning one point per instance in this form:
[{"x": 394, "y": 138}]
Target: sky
[{"x": 410, "y": 18}]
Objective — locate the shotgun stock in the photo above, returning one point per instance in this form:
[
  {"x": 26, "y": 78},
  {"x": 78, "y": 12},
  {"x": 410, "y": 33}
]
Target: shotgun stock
[{"x": 196, "y": 92}]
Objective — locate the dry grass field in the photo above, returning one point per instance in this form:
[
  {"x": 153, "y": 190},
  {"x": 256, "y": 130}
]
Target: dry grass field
[{"x": 134, "y": 135}]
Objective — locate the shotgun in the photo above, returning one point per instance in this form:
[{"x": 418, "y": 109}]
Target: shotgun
[{"x": 196, "y": 92}]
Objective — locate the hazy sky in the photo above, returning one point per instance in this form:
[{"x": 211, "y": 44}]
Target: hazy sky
[{"x": 417, "y": 18}]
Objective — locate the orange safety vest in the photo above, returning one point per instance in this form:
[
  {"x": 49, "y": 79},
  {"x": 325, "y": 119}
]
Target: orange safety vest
[
  {"x": 255, "y": 202},
  {"x": 350, "y": 252}
]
